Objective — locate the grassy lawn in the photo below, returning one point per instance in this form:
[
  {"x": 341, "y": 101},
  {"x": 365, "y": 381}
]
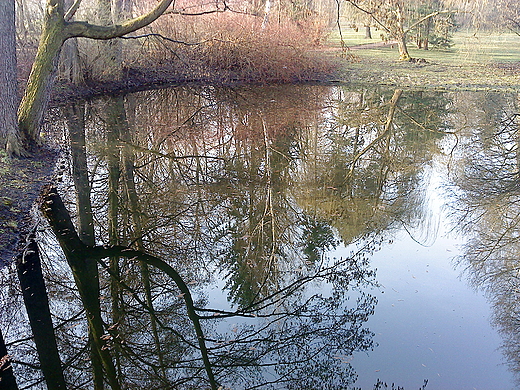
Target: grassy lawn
[
  {"x": 468, "y": 47},
  {"x": 475, "y": 62}
]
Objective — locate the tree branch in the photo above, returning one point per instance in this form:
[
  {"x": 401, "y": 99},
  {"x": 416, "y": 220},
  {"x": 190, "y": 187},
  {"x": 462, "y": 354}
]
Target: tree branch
[
  {"x": 72, "y": 10},
  {"x": 93, "y": 31},
  {"x": 516, "y": 24},
  {"x": 371, "y": 13},
  {"x": 163, "y": 37},
  {"x": 424, "y": 18}
]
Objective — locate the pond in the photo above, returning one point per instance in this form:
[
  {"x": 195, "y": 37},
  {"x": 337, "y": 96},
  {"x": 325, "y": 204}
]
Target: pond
[{"x": 299, "y": 237}]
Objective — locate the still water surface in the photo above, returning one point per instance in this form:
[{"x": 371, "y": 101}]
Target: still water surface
[{"x": 322, "y": 233}]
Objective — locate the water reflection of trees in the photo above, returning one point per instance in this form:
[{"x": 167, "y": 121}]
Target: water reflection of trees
[
  {"x": 487, "y": 199},
  {"x": 372, "y": 161},
  {"x": 243, "y": 184}
]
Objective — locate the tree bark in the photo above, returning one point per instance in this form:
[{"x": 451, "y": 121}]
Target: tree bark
[
  {"x": 368, "y": 32},
  {"x": 8, "y": 91},
  {"x": 403, "y": 49},
  {"x": 427, "y": 34},
  {"x": 37, "y": 91}
]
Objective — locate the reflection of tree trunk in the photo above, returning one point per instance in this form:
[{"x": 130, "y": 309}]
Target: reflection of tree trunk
[
  {"x": 77, "y": 259},
  {"x": 37, "y": 304},
  {"x": 133, "y": 201},
  {"x": 388, "y": 126},
  {"x": 74, "y": 115},
  {"x": 54, "y": 210},
  {"x": 115, "y": 123},
  {"x": 7, "y": 380}
]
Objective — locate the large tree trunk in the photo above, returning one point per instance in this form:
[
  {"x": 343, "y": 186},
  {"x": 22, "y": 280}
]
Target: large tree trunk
[
  {"x": 427, "y": 34},
  {"x": 109, "y": 54},
  {"x": 403, "y": 49},
  {"x": 368, "y": 32},
  {"x": 37, "y": 91},
  {"x": 8, "y": 87},
  {"x": 56, "y": 30}
]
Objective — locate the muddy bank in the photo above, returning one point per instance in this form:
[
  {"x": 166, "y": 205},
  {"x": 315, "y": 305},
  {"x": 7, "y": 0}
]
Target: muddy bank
[{"x": 20, "y": 182}]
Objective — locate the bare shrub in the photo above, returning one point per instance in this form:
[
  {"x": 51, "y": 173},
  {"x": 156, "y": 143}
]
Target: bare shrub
[{"x": 232, "y": 46}]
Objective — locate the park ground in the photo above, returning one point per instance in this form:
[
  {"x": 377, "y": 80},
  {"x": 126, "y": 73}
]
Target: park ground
[{"x": 476, "y": 62}]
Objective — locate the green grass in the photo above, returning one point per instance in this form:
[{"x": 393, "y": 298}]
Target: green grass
[
  {"x": 485, "y": 62},
  {"x": 468, "y": 47}
]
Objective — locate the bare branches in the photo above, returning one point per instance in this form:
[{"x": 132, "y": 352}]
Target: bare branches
[
  {"x": 157, "y": 35},
  {"x": 371, "y": 13},
  {"x": 429, "y": 16},
  {"x": 88, "y": 30},
  {"x": 69, "y": 14}
]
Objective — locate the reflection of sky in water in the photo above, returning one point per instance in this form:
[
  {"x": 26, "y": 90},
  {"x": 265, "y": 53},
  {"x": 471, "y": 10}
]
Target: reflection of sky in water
[{"x": 428, "y": 322}]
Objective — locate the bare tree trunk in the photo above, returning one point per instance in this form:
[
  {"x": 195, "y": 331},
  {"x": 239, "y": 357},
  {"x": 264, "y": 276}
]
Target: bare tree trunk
[
  {"x": 37, "y": 304},
  {"x": 403, "y": 49},
  {"x": 70, "y": 68},
  {"x": 368, "y": 32},
  {"x": 37, "y": 91},
  {"x": 108, "y": 62},
  {"x": 9, "y": 136},
  {"x": 427, "y": 34}
]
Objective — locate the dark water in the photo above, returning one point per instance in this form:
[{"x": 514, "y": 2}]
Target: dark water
[{"x": 329, "y": 237}]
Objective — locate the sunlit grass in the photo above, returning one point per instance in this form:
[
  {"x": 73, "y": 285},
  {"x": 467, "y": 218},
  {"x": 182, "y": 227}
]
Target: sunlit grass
[{"x": 469, "y": 47}]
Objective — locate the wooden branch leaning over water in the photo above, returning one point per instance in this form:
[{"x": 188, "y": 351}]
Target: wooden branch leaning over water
[{"x": 78, "y": 253}]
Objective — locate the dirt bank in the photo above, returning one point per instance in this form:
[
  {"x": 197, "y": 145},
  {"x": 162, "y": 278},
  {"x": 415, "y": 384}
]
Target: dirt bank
[{"x": 20, "y": 184}]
